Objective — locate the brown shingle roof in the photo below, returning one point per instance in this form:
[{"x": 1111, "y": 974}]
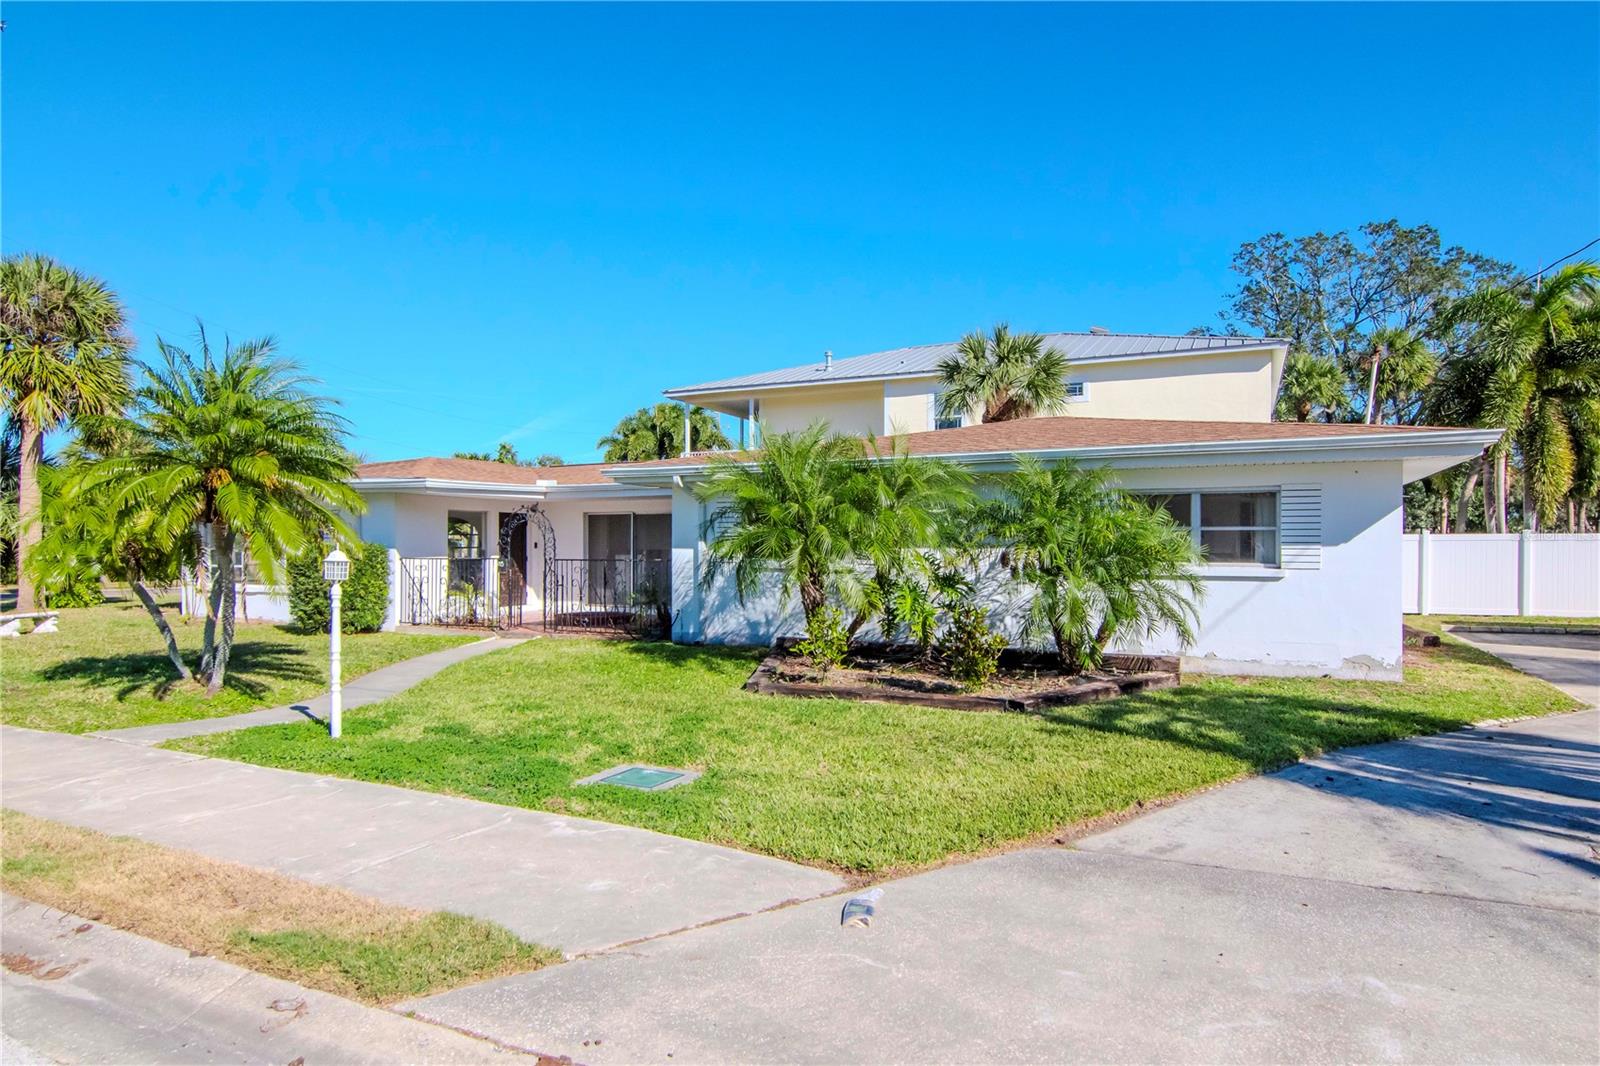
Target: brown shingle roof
[
  {"x": 487, "y": 472},
  {"x": 1071, "y": 431}
]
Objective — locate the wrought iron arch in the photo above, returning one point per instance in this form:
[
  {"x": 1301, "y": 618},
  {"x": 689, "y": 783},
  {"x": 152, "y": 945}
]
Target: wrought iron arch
[{"x": 510, "y": 522}]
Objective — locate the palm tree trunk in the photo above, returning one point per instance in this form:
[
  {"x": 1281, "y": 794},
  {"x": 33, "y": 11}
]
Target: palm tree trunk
[
  {"x": 208, "y": 556},
  {"x": 30, "y": 525},
  {"x": 1501, "y": 509},
  {"x": 1464, "y": 508},
  {"x": 163, "y": 626},
  {"x": 223, "y": 597}
]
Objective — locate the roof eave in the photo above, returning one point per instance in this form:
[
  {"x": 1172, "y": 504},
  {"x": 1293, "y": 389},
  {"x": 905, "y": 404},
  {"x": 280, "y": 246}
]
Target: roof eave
[
  {"x": 1428, "y": 452},
  {"x": 430, "y": 486}
]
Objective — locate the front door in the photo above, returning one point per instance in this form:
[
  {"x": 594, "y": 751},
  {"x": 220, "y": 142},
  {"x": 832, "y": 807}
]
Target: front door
[{"x": 514, "y": 561}]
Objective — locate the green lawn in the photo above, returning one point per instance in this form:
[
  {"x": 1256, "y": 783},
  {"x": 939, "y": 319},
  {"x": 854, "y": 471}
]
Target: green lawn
[
  {"x": 858, "y": 786},
  {"x": 1508, "y": 621},
  {"x": 106, "y": 669}
]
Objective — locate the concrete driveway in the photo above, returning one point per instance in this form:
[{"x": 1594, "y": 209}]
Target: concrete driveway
[
  {"x": 1432, "y": 900},
  {"x": 1570, "y": 661}
]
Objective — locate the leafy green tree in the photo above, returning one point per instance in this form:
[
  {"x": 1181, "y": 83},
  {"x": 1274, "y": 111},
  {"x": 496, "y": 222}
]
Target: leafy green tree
[
  {"x": 63, "y": 355},
  {"x": 789, "y": 509},
  {"x": 657, "y": 433},
  {"x": 506, "y": 452},
  {"x": 547, "y": 459},
  {"x": 1099, "y": 565},
  {"x": 235, "y": 446},
  {"x": 1328, "y": 293},
  {"x": 1456, "y": 397},
  {"x": 1310, "y": 385},
  {"x": 1541, "y": 346},
  {"x": 1005, "y": 375}
]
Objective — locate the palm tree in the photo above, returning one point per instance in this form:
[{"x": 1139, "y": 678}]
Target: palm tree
[
  {"x": 1310, "y": 384},
  {"x": 91, "y": 529},
  {"x": 1543, "y": 352},
  {"x": 900, "y": 507},
  {"x": 65, "y": 355},
  {"x": 1398, "y": 366},
  {"x": 657, "y": 433},
  {"x": 235, "y": 447},
  {"x": 789, "y": 507},
  {"x": 1099, "y": 564},
  {"x": 1455, "y": 397},
  {"x": 1005, "y": 375}
]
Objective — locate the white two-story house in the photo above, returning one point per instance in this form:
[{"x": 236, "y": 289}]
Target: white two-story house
[{"x": 1301, "y": 522}]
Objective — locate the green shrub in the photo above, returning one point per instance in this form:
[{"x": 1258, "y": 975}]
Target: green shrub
[
  {"x": 970, "y": 648},
  {"x": 826, "y": 640},
  {"x": 75, "y": 591},
  {"x": 366, "y": 593}
]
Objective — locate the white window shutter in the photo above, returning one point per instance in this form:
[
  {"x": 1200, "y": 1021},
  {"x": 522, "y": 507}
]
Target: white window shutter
[{"x": 1300, "y": 527}]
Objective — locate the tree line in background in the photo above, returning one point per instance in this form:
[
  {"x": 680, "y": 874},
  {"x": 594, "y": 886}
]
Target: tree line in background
[
  {"x": 1387, "y": 326},
  {"x": 189, "y": 461}
]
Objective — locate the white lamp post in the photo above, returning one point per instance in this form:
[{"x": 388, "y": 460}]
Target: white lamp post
[{"x": 335, "y": 569}]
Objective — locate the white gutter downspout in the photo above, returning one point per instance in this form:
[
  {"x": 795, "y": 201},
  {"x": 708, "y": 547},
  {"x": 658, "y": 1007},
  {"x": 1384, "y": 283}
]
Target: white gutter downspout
[{"x": 685, "y": 429}]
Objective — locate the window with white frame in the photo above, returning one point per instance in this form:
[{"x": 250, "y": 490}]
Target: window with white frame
[
  {"x": 1233, "y": 527},
  {"x": 943, "y": 421},
  {"x": 1077, "y": 391}
]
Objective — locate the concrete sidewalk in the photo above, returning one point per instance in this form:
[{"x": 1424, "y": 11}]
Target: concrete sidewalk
[
  {"x": 371, "y": 687},
  {"x": 1436, "y": 901},
  {"x": 79, "y": 991},
  {"x": 569, "y": 883}
]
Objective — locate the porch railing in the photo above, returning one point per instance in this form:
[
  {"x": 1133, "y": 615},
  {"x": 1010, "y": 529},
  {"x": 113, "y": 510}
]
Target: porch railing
[
  {"x": 440, "y": 590},
  {"x": 624, "y": 594}
]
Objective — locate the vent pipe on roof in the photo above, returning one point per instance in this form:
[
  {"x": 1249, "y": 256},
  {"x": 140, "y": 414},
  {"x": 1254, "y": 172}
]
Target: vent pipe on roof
[
  {"x": 827, "y": 360},
  {"x": 1099, "y": 329}
]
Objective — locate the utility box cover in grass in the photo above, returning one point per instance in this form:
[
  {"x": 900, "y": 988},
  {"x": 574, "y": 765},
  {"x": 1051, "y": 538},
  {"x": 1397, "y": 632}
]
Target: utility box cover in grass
[{"x": 638, "y": 776}]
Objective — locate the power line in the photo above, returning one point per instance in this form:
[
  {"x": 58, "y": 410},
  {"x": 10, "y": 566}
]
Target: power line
[{"x": 1555, "y": 263}]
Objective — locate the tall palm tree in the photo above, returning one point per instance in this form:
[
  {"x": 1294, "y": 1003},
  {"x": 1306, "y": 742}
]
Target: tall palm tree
[
  {"x": 657, "y": 433},
  {"x": 788, "y": 508},
  {"x": 1100, "y": 565},
  {"x": 1005, "y": 375},
  {"x": 1455, "y": 397},
  {"x": 1310, "y": 384},
  {"x": 1398, "y": 366},
  {"x": 235, "y": 447},
  {"x": 65, "y": 351},
  {"x": 1543, "y": 350}
]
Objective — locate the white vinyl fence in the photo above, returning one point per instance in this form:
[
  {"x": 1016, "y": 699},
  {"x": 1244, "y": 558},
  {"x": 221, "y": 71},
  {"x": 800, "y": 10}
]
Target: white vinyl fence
[{"x": 1501, "y": 573}]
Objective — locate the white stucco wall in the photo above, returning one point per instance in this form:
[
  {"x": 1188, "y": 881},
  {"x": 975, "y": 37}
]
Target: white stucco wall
[{"x": 1342, "y": 618}]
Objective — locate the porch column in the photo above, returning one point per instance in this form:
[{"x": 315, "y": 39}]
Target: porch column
[
  {"x": 750, "y": 421},
  {"x": 686, "y": 448}
]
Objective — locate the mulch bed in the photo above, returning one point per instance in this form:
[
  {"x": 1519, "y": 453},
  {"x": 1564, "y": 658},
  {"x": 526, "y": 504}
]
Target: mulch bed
[{"x": 1024, "y": 682}]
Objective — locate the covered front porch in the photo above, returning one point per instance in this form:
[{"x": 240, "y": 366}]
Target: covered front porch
[{"x": 573, "y": 558}]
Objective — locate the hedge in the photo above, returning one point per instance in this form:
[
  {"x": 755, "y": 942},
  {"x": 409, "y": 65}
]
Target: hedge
[{"x": 366, "y": 593}]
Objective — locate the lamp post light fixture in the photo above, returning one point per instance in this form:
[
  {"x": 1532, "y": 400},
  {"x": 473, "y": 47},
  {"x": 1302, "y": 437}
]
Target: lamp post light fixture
[{"x": 335, "y": 570}]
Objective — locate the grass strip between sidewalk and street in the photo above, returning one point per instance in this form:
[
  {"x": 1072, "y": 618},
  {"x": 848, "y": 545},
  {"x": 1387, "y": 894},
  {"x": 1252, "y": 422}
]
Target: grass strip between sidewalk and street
[{"x": 314, "y": 935}]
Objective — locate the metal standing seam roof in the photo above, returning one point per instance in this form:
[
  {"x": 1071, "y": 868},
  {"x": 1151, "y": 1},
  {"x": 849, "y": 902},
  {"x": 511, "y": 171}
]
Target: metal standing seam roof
[{"x": 924, "y": 359}]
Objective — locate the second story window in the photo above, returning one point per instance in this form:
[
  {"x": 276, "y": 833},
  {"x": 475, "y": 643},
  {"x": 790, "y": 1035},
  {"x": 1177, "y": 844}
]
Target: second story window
[
  {"x": 943, "y": 421},
  {"x": 1077, "y": 391}
]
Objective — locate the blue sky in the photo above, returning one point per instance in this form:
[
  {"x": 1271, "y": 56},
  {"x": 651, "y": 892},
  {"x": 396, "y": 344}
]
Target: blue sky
[{"x": 476, "y": 223}]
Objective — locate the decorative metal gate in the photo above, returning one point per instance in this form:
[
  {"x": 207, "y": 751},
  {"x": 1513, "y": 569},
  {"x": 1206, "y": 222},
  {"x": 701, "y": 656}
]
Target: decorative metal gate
[
  {"x": 621, "y": 595},
  {"x": 439, "y": 590},
  {"x": 514, "y": 583}
]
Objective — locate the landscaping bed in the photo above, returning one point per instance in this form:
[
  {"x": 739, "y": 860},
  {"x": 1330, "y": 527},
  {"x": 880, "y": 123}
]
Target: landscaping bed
[{"x": 901, "y": 674}]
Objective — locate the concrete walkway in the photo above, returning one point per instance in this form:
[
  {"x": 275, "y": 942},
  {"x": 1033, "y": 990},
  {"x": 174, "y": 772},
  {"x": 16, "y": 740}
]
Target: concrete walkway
[
  {"x": 570, "y": 883},
  {"x": 79, "y": 991},
  {"x": 1433, "y": 900},
  {"x": 371, "y": 687}
]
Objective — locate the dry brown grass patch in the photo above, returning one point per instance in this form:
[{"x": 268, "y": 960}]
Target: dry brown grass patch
[{"x": 317, "y": 935}]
